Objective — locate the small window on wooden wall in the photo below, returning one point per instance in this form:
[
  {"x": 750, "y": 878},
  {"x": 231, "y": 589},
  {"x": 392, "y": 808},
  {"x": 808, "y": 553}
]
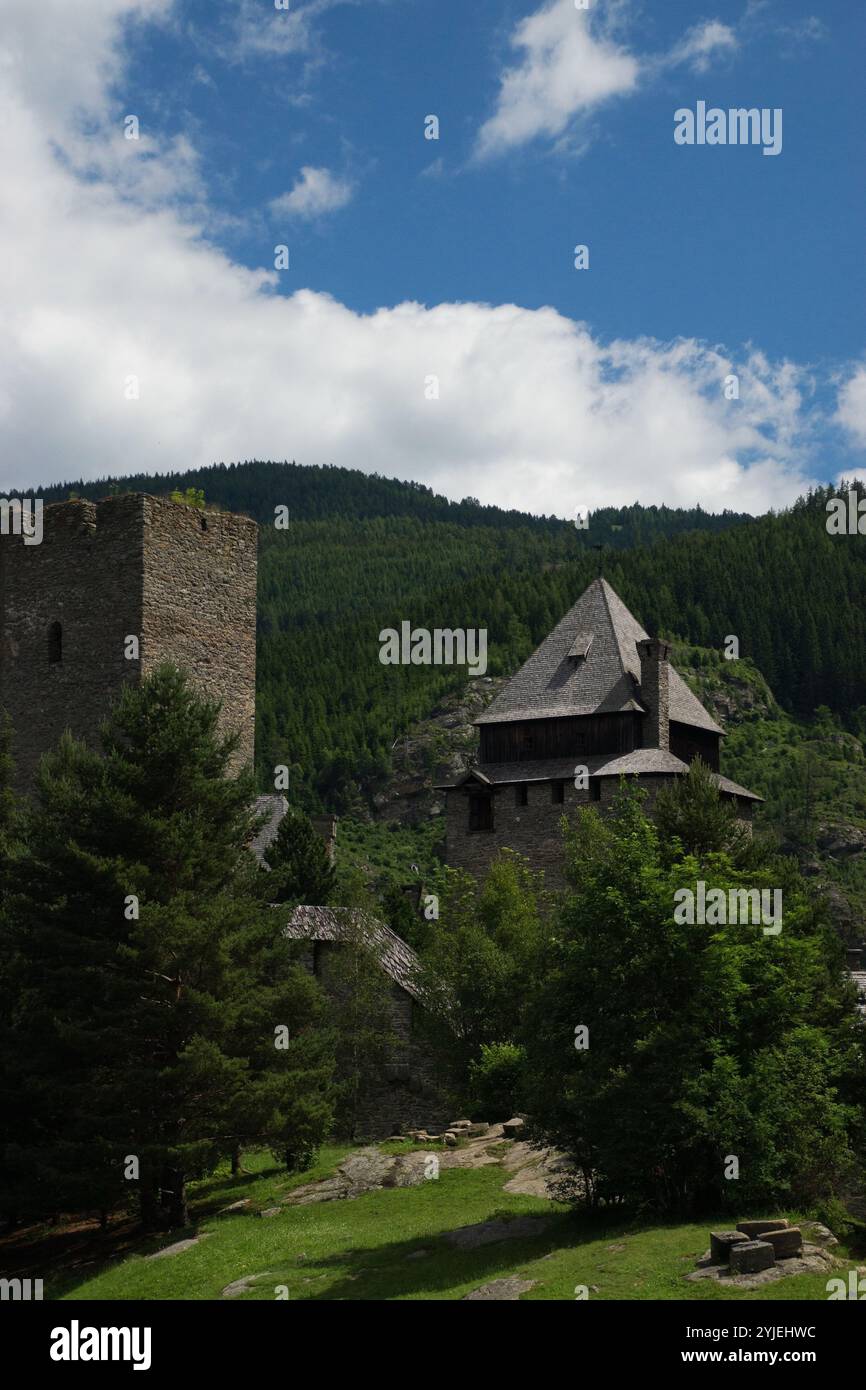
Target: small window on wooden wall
[
  {"x": 55, "y": 643},
  {"x": 557, "y": 792},
  {"x": 521, "y": 795},
  {"x": 481, "y": 812}
]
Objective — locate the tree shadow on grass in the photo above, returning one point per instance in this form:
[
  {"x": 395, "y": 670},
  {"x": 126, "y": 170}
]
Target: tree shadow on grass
[{"x": 395, "y": 1270}]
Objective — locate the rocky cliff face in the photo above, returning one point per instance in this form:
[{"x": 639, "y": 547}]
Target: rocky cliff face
[{"x": 434, "y": 750}]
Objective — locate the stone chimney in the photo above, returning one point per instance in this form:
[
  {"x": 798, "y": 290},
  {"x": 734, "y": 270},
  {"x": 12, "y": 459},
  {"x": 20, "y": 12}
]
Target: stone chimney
[
  {"x": 326, "y": 826},
  {"x": 655, "y": 673}
]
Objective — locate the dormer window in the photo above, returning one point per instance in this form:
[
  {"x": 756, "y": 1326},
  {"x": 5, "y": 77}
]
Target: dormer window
[
  {"x": 579, "y": 649},
  {"x": 55, "y": 644}
]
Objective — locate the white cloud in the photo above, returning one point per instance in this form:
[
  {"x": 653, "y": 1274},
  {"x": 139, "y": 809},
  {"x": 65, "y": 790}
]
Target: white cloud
[
  {"x": 701, "y": 43},
  {"x": 851, "y": 412},
  {"x": 566, "y": 67},
  {"x": 260, "y": 30},
  {"x": 100, "y": 280},
  {"x": 316, "y": 191},
  {"x": 570, "y": 62}
]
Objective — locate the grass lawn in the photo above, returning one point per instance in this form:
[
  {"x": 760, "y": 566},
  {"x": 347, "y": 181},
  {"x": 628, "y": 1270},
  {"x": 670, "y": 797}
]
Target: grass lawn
[{"x": 359, "y": 1249}]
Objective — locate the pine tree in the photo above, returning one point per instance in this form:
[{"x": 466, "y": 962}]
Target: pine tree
[
  {"x": 151, "y": 980},
  {"x": 301, "y": 870}
]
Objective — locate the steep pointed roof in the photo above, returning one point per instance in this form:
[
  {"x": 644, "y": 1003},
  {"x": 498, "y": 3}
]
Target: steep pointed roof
[{"x": 556, "y": 681}]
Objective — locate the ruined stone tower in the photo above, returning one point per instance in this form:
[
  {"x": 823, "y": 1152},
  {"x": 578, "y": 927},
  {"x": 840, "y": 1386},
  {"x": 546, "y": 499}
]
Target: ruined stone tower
[{"x": 182, "y": 581}]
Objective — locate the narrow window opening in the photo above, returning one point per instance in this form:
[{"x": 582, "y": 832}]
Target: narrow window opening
[
  {"x": 521, "y": 795},
  {"x": 480, "y": 813},
  {"x": 557, "y": 792},
  {"x": 55, "y": 643},
  {"x": 595, "y": 788}
]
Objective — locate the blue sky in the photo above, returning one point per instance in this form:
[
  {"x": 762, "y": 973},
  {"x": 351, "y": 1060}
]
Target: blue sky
[
  {"x": 305, "y": 127},
  {"x": 724, "y": 244}
]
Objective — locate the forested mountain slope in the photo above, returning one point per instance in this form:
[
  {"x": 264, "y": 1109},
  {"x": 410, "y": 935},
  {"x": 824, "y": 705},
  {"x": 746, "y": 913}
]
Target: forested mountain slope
[{"x": 365, "y": 553}]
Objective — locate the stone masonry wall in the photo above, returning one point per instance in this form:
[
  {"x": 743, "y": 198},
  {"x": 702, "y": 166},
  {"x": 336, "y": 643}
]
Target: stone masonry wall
[
  {"x": 86, "y": 575},
  {"x": 533, "y": 830},
  {"x": 180, "y": 580},
  {"x": 402, "y": 1092},
  {"x": 199, "y": 606}
]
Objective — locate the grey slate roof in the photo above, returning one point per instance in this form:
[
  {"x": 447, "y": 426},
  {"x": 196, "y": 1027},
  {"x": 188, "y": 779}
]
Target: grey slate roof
[
  {"x": 726, "y": 785},
  {"x": 551, "y": 684},
  {"x": 334, "y": 923},
  {"x": 641, "y": 761},
  {"x": 274, "y": 806}
]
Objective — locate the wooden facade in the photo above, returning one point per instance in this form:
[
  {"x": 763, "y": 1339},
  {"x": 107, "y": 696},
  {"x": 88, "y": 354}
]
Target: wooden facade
[
  {"x": 688, "y": 743},
  {"x": 534, "y": 740},
  {"x": 531, "y": 740}
]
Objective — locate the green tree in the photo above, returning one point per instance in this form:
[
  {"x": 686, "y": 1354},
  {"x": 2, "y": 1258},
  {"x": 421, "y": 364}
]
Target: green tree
[
  {"x": 478, "y": 970},
  {"x": 696, "y": 1032},
  {"x": 191, "y": 497},
  {"x": 151, "y": 979},
  {"x": 690, "y": 811},
  {"x": 300, "y": 868}
]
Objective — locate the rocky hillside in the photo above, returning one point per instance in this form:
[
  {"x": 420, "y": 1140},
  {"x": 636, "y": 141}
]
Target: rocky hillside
[{"x": 813, "y": 776}]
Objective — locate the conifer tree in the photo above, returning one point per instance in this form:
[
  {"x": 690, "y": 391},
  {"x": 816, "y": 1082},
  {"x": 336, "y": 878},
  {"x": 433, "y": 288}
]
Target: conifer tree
[
  {"x": 153, "y": 977},
  {"x": 301, "y": 871}
]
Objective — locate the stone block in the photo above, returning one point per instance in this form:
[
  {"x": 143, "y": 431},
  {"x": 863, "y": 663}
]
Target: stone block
[
  {"x": 786, "y": 1244},
  {"x": 721, "y": 1243},
  {"x": 751, "y": 1257},
  {"x": 755, "y": 1229}
]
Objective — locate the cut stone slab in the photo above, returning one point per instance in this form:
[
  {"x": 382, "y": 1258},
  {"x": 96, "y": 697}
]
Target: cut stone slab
[
  {"x": 787, "y": 1244},
  {"x": 512, "y": 1129},
  {"x": 477, "y": 1130},
  {"x": 501, "y": 1290},
  {"x": 721, "y": 1243},
  {"x": 239, "y": 1286},
  {"x": 751, "y": 1257},
  {"x": 488, "y": 1232},
  {"x": 755, "y": 1229},
  {"x": 814, "y": 1260},
  {"x": 236, "y": 1206},
  {"x": 270, "y": 1211}
]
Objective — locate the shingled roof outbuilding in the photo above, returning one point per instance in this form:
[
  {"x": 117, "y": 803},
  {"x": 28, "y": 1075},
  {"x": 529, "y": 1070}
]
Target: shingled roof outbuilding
[
  {"x": 557, "y": 681},
  {"x": 337, "y": 924}
]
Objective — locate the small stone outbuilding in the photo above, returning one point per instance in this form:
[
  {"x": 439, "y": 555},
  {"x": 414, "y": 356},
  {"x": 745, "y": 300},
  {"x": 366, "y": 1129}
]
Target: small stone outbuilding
[{"x": 404, "y": 1093}]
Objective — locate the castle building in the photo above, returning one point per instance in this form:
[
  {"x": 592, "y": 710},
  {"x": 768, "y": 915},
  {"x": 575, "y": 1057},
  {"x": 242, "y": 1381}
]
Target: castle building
[
  {"x": 180, "y": 581},
  {"x": 597, "y": 700}
]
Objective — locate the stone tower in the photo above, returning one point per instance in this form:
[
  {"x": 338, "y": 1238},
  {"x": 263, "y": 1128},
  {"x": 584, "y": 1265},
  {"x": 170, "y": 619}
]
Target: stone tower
[{"x": 182, "y": 581}]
